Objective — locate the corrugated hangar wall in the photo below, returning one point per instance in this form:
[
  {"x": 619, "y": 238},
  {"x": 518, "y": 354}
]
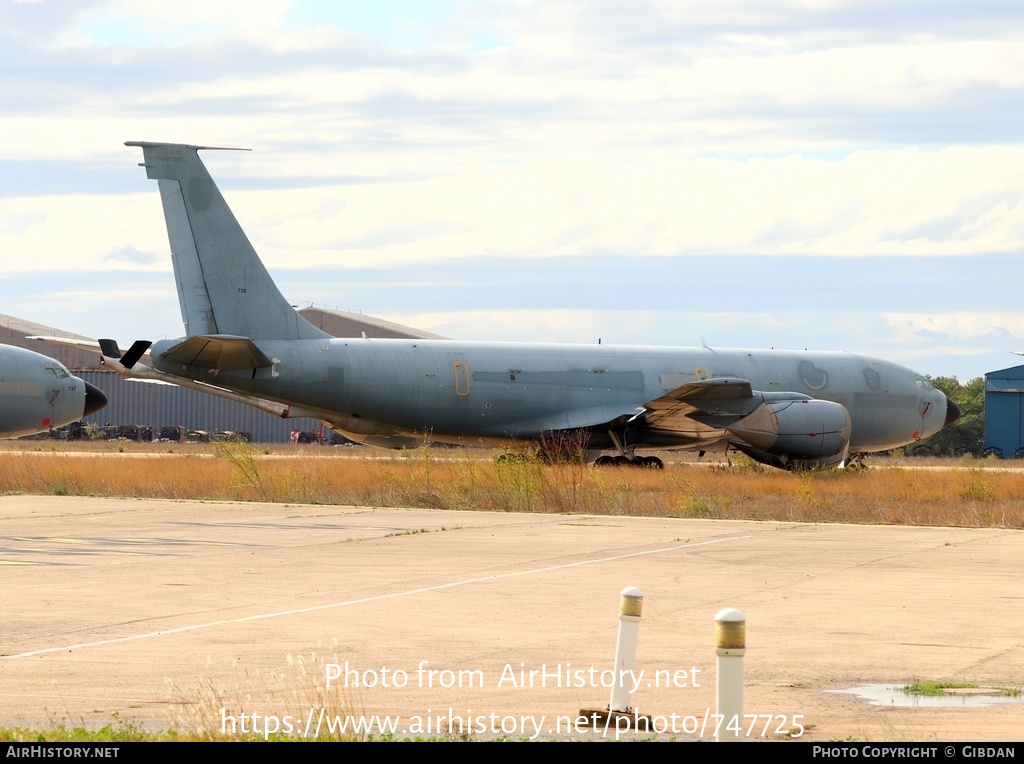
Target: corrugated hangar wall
[
  {"x": 1004, "y": 411},
  {"x": 159, "y": 405}
]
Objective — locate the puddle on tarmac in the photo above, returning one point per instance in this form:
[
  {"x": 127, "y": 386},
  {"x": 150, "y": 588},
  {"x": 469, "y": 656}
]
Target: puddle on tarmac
[{"x": 893, "y": 695}]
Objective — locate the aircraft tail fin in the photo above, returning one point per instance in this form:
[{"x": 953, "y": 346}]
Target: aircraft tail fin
[{"x": 223, "y": 287}]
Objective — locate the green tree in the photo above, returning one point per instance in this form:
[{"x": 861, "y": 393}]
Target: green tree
[{"x": 968, "y": 432}]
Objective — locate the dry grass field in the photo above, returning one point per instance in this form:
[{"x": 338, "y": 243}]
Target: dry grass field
[{"x": 970, "y": 493}]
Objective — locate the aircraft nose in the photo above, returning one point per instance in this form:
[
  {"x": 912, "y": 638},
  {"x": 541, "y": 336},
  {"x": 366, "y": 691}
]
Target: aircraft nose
[
  {"x": 95, "y": 399},
  {"x": 952, "y": 412}
]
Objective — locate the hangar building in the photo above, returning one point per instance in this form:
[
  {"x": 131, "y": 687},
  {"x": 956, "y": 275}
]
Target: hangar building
[{"x": 1004, "y": 412}]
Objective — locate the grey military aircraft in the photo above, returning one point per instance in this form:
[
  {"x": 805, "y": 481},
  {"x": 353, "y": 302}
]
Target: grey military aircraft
[
  {"x": 38, "y": 393},
  {"x": 245, "y": 341}
]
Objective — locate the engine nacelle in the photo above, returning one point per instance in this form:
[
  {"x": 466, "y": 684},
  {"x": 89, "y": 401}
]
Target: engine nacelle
[{"x": 794, "y": 433}]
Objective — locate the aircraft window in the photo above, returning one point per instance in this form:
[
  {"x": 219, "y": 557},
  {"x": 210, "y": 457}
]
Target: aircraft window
[
  {"x": 58, "y": 373},
  {"x": 925, "y": 384}
]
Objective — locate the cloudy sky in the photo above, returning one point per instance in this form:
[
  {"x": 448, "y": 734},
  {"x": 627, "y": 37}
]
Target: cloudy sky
[{"x": 843, "y": 174}]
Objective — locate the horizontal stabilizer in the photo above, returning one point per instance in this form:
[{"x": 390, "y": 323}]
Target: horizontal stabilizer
[{"x": 222, "y": 352}]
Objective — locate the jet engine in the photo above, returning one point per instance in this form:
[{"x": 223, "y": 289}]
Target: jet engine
[{"x": 794, "y": 434}]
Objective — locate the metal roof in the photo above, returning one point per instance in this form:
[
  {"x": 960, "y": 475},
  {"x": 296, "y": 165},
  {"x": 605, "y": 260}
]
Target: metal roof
[{"x": 341, "y": 323}]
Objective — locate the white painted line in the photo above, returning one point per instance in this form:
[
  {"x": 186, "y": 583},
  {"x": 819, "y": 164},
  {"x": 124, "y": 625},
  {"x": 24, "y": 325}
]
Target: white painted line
[{"x": 364, "y": 600}]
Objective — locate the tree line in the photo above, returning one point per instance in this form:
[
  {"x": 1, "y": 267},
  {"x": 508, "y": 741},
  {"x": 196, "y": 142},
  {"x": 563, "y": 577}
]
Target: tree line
[{"x": 967, "y": 434}]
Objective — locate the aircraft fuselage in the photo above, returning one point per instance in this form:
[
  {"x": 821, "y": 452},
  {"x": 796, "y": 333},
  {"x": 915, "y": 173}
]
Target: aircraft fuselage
[{"x": 475, "y": 392}]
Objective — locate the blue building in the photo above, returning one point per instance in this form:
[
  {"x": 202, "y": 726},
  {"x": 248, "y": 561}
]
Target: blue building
[{"x": 1004, "y": 412}]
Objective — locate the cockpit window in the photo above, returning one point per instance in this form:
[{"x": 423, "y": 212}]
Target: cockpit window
[
  {"x": 925, "y": 384},
  {"x": 58, "y": 372}
]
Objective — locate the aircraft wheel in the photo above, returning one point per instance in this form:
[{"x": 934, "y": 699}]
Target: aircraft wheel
[{"x": 604, "y": 461}]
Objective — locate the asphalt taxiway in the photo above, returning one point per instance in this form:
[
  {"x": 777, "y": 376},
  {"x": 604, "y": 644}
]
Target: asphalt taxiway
[{"x": 181, "y": 613}]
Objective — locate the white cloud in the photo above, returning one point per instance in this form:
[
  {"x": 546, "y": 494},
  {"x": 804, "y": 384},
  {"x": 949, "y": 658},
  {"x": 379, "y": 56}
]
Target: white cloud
[
  {"x": 60, "y": 233},
  {"x": 529, "y": 130},
  {"x": 937, "y": 344},
  {"x": 953, "y": 201}
]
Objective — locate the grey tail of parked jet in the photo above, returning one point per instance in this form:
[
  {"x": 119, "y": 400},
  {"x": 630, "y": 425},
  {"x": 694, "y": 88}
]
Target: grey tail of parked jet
[{"x": 223, "y": 288}]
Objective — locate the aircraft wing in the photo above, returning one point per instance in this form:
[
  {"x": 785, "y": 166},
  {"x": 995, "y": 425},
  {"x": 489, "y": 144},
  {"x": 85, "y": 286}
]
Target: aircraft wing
[
  {"x": 773, "y": 427},
  {"x": 696, "y": 409},
  {"x": 71, "y": 342},
  {"x": 714, "y": 403}
]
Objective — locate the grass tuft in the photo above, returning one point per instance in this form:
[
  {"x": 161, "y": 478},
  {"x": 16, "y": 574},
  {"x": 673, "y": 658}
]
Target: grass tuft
[
  {"x": 936, "y": 688},
  {"x": 940, "y": 688}
]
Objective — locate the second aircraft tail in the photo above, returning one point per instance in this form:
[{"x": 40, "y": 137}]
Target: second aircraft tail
[{"x": 223, "y": 287}]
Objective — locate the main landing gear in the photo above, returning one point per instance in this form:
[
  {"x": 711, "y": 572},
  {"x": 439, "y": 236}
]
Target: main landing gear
[
  {"x": 627, "y": 457},
  {"x": 652, "y": 462}
]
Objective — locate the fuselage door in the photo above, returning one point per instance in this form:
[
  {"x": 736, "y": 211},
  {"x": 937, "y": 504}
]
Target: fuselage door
[{"x": 461, "y": 378}]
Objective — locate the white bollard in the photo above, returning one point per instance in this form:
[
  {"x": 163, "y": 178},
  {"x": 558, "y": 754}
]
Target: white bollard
[
  {"x": 631, "y": 601},
  {"x": 730, "y": 645}
]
